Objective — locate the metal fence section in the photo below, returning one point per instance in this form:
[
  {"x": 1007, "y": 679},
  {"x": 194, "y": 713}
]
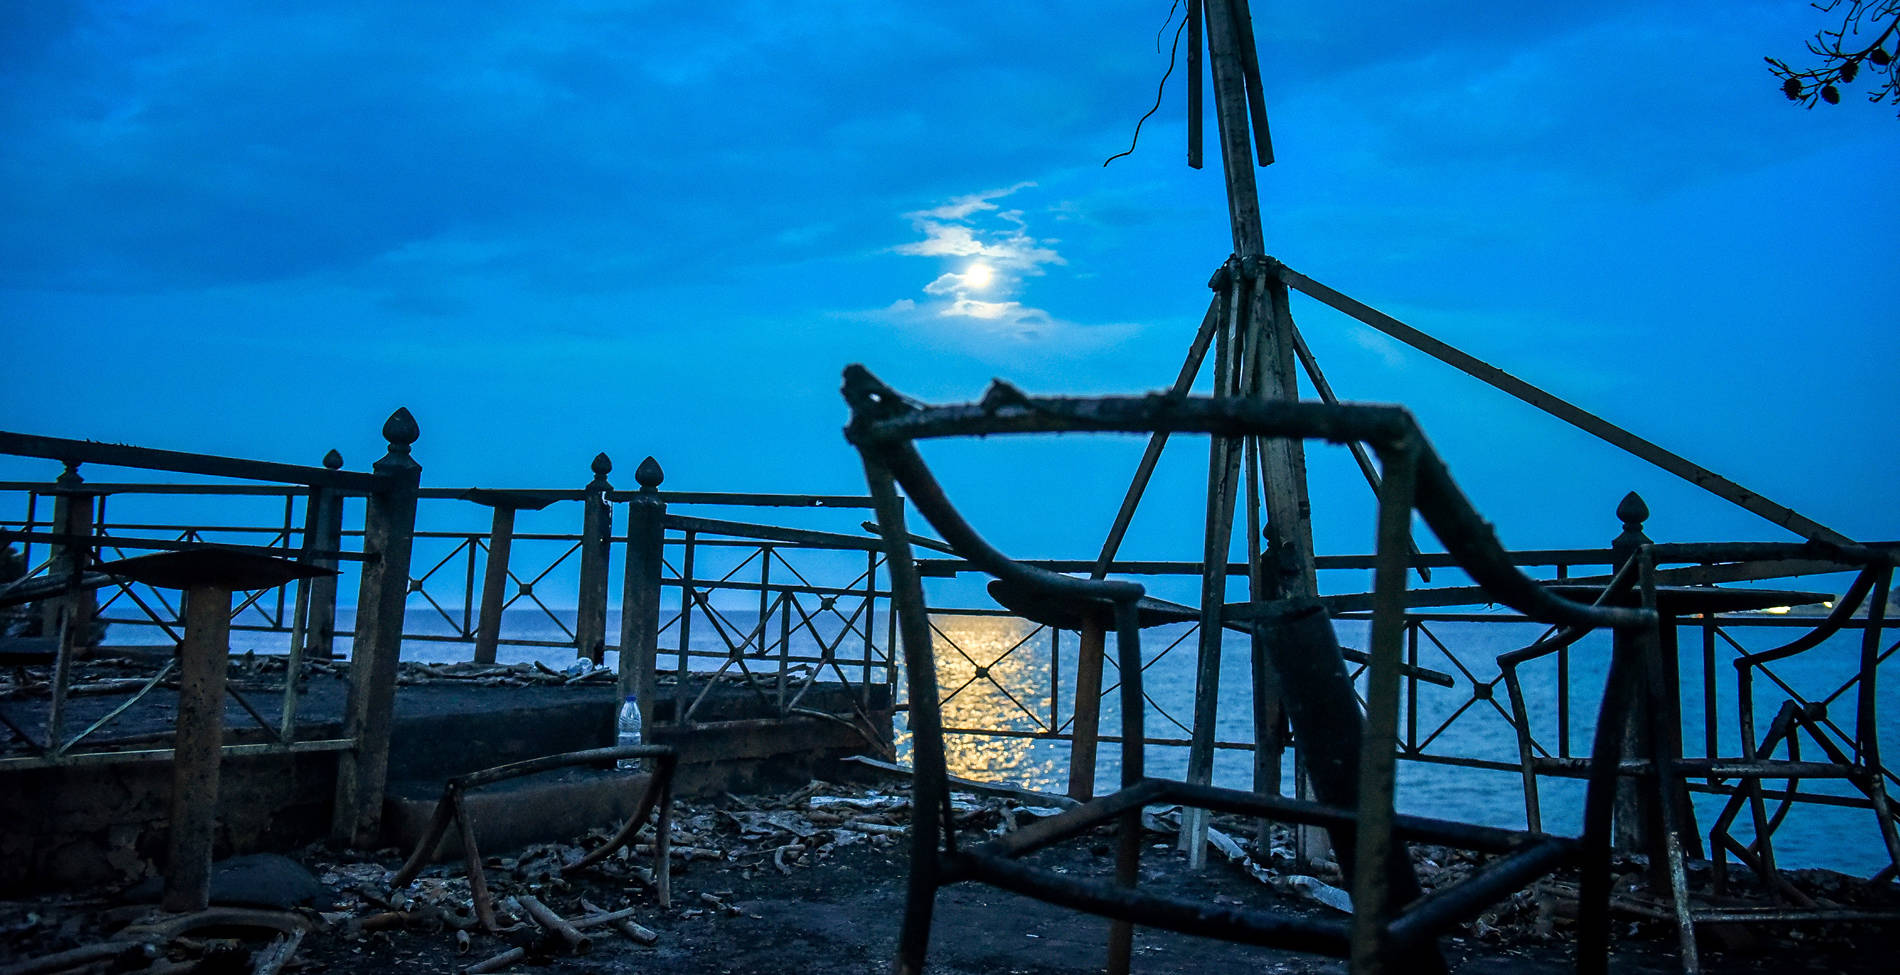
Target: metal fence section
[
  {"x": 1002, "y": 683},
  {"x": 765, "y": 612},
  {"x": 771, "y": 609},
  {"x": 81, "y": 548},
  {"x": 774, "y": 611}
]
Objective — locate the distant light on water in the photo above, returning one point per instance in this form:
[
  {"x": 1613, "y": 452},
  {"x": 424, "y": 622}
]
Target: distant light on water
[{"x": 994, "y": 672}]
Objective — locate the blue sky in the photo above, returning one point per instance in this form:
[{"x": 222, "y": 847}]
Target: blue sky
[{"x": 645, "y": 228}]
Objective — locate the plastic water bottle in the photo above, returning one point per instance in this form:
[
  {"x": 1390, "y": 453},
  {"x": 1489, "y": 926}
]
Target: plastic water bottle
[{"x": 629, "y": 726}]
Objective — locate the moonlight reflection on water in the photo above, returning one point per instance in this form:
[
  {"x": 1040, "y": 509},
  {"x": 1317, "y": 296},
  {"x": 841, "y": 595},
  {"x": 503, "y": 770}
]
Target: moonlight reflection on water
[{"x": 994, "y": 674}]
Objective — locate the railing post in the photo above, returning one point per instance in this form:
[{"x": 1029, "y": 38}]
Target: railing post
[
  {"x": 597, "y": 528},
  {"x": 70, "y": 557},
  {"x": 1633, "y": 807},
  {"x": 501, "y": 540},
  {"x": 389, "y": 524},
  {"x": 1084, "y": 734},
  {"x": 640, "y": 592},
  {"x": 203, "y": 658},
  {"x": 323, "y": 532}
]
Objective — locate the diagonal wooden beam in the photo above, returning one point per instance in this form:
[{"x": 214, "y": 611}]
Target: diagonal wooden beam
[{"x": 1562, "y": 409}]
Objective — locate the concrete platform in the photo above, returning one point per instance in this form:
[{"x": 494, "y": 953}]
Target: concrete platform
[{"x": 90, "y": 825}]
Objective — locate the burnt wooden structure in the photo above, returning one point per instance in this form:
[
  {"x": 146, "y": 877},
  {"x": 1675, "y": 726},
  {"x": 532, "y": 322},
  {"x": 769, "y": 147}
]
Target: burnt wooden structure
[
  {"x": 1258, "y": 354},
  {"x": 1350, "y": 760},
  {"x": 1256, "y": 345}
]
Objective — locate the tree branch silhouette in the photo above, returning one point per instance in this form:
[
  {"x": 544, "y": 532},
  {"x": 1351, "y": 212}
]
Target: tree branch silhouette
[{"x": 1864, "y": 42}]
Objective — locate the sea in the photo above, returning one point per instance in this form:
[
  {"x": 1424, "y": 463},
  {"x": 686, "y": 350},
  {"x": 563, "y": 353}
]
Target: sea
[{"x": 999, "y": 674}]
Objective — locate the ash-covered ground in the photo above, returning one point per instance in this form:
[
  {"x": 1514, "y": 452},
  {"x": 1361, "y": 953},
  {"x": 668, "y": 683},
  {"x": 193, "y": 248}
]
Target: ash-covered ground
[{"x": 813, "y": 881}]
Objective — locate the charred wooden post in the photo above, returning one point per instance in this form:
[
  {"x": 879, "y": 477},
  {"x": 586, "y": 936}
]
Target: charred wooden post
[
  {"x": 315, "y": 606},
  {"x": 1260, "y": 367},
  {"x": 389, "y": 526},
  {"x": 1382, "y": 877},
  {"x": 1223, "y": 470},
  {"x": 195, "y": 763},
  {"x": 1086, "y": 733},
  {"x": 597, "y": 526},
  {"x": 1269, "y": 718},
  {"x": 323, "y": 532},
  {"x": 74, "y": 506},
  {"x": 640, "y": 588},
  {"x": 208, "y": 576},
  {"x": 501, "y": 536},
  {"x": 1635, "y": 805}
]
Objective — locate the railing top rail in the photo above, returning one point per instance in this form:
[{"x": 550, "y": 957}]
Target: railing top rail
[
  {"x": 743, "y": 500},
  {"x": 112, "y": 487},
  {"x": 774, "y": 533},
  {"x": 1529, "y": 557},
  {"x": 151, "y": 458},
  {"x": 364, "y": 482},
  {"x": 514, "y": 496},
  {"x": 727, "y": 498},
  {"x": 176, "y": 545},
  {"x": 1848, "y": 554}
]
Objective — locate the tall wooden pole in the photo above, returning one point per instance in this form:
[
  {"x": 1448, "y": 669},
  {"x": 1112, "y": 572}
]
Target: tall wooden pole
[
  {"x": 1262, "y": 367},
  {"x": 1268, "y": 320}
]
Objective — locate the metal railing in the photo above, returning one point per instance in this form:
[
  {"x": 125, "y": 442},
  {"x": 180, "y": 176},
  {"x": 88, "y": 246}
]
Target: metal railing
[
  {"x": 773, "y": 611},
  {"x": 795, "y": 630},
  {"x": 1455, "y": 711},
  {"x": 71, "y": 548}
]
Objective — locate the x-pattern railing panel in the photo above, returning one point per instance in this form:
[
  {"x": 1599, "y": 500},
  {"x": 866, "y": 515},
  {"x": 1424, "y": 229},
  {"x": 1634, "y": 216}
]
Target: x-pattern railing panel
[
  {"x": 158, "y": 608},
  {"x": 827, "y": 650},
  {"x": 1147, "y": 687},
  {"x": 419, "y": 583},
  {"x": 525, "y": 589},
  {"x": 1477, "y": 694},
  {"x": 985, "y": 671},
  {"x": 1437, "y": 715},
  {"x": 805, "y": 629},
  {"x": 1818, "y": 710}
]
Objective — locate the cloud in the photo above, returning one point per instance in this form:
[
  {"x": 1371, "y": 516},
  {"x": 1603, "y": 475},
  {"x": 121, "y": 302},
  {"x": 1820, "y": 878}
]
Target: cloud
[
  {"x": 943, "y": 240},
  {"x": 996, "y": 330},
  {"x": 151, "y": 147},
  {"x": 991, "y": 310},
  {"x": 948, "y": 283},
  {"x": 974, "y": 226},
  {"x": 962, "y": 207},
  {"x": 978, "y": 302},
  {"x": 994, "y": 251},
  {"x": 1016, "y": 251}
]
